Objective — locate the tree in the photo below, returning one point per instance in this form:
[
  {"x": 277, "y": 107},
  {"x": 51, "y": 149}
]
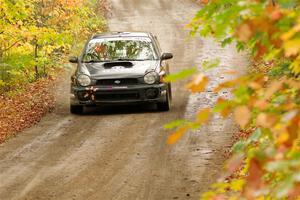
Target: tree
[
  {"x": 37, "y": 35},
  {"x": 266, "y": 101}
]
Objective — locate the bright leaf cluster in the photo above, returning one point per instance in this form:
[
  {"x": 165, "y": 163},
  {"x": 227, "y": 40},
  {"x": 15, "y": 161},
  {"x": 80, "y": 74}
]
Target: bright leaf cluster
[
  {"x": 35, "y": 35},
  {"x": 266, "y": 165}
]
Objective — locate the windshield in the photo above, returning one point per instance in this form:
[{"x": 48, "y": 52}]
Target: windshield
[{"x": 113, "y": 49}]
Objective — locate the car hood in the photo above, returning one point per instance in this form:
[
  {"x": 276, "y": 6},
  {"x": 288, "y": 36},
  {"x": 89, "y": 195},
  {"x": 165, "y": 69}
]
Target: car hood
[{"x": 118, "y": 69}]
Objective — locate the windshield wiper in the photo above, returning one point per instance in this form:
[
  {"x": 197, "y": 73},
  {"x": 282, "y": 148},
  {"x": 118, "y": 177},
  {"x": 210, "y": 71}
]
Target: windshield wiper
[
  {"x": 92, "y": 61},
  {"x": 128, "y": 59},
  {"x": 124, "y": 59}
]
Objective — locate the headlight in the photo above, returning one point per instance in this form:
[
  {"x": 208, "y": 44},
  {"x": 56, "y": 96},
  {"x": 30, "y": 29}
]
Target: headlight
[
  {"x": 84, "y": 80},
  {"x": 151, "y": 77}
]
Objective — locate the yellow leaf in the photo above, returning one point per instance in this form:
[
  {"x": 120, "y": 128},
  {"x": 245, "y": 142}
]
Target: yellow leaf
[
  {"x": 283, "y": 137},
  {"x": 237, "y": 185},
  {"x": 291, "y": 33},
  {"x": 292, "y": 47},
  {"x": 203, "y": 116},
  {"x": 242, "y": 115},
  {"x": 198, "y": 84},
  {"x": 295, "y": 65},
  {"x": 177, "y": 135}
]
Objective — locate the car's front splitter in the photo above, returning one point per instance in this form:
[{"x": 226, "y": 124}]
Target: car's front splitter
[{"x": 118, "y": 95}]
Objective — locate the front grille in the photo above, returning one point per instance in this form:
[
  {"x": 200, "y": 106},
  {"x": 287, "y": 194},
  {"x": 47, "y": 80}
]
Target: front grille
[
  {"x": 83, "y": 96},
  {"x": 117, "y": 96},
  {"x": 123, "y": 81}
]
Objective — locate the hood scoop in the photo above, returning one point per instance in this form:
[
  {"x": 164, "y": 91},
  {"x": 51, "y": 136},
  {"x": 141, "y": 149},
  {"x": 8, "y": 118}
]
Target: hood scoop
[{"x": 111, "y": 65}]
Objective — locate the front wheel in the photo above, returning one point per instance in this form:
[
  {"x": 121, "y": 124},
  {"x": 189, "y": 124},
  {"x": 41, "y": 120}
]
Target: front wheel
[
  {"x": 76, "y": 109},
  {"x": 165, "y": 105}
]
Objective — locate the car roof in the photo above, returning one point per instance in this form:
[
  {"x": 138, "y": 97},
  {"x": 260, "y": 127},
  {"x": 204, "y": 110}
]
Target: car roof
[{"x": 121, "y": 34}]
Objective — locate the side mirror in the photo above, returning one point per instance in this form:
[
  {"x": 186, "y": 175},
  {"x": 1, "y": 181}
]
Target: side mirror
[
  {"x": 166, "y": 56},
  {"x": 73, "y": 59}
]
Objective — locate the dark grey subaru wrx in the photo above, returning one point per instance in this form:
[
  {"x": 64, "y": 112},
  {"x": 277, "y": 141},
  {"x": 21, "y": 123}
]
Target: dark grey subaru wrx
[{"x": 121, "y": 68}]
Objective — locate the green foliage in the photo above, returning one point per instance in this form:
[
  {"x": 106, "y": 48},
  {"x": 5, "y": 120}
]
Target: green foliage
[
  {"x": 181, "y": 75},
  {"x": 265, "y": 102},
  {"x": 36, "y": 36},
  {"x": 268, "y": 101}
]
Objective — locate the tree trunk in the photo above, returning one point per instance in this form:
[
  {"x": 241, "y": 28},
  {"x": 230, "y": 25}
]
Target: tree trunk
[{"x": 35, "y": 57}]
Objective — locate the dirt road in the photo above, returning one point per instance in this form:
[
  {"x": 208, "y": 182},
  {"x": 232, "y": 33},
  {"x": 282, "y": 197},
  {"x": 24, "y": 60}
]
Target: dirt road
[{"x": 121, "y": 153}]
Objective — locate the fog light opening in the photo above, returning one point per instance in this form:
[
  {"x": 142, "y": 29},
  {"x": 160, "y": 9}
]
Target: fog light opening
[{"x": 151, "y": 93}]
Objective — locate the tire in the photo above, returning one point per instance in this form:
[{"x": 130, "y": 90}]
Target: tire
[
  {"x": 78, "y": 110},
  {"x": 165, "y": 105}
]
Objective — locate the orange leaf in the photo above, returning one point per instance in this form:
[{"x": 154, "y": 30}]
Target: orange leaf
[
  {"x": 274, "y": 87},
  {"x": 276, "y": 14},
  {"x": 177, "y": 135},
  {"x": 198, "y": 84},
  {"x": 255, "y": 85},
  {"x": 226, "y": 109},
  {"x": 203, "y": 116},
  {"x": 230, "y": 72},
  {"x": 261, "y": 104},
  {"x": 283, "y": 137},
  {"x": 235, "y": 163},
  {"x": 228, "y": 84},
  {"x": 261, "y": 50},
  {"x": 244, "y": 32},
  {"x": 266, "y": 120},
  {"x": 242, "y": 115},
  {"x": 205, "y": 1},
  {"x": 254, "y": 179}
]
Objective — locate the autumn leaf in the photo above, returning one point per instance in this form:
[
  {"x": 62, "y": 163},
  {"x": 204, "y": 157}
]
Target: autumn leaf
[
  {"x": 175, "y": 124},
  {"x": 261, "y": 104},
  {"x": 283, "y": 137},
  {"x": 174, "y": 137},
  {"x": 242, "y": 115},
  {"x": 203, "y": 116},
  {"x": 261, "y": 50},
  {"x": 292, "y": 47},
  {"x": 198, "y": 84},
  {"x": 254, "y": 180},
  {"x": 204, "y": 1},
  {"x": 180, "y": 75},
  {"x": 255, "y": 85},
  {"x": 273, "y": 87},
  {"x": 289, "y": 34},
  {"x": 244, "y": 32},
  {"x": 266, "y": 120},
  {"x": 235, "y": 162},
  {"x": 276, "y": 14},
  {"x": 238, "y": 185},
  {"x": 230, "y": 72},
  {"x": 228, "y": 84},
  {"x": 268, "y": 96},
  {"x": 223, "y": 107}
]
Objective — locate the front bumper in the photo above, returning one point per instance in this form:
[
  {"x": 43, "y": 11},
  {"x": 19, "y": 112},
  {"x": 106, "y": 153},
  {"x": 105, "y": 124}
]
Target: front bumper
[{"x": 118, "y": 95}]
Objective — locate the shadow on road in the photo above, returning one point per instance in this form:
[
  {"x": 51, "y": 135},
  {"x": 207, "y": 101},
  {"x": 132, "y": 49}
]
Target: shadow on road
[{"x": 123, "y": 109}]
